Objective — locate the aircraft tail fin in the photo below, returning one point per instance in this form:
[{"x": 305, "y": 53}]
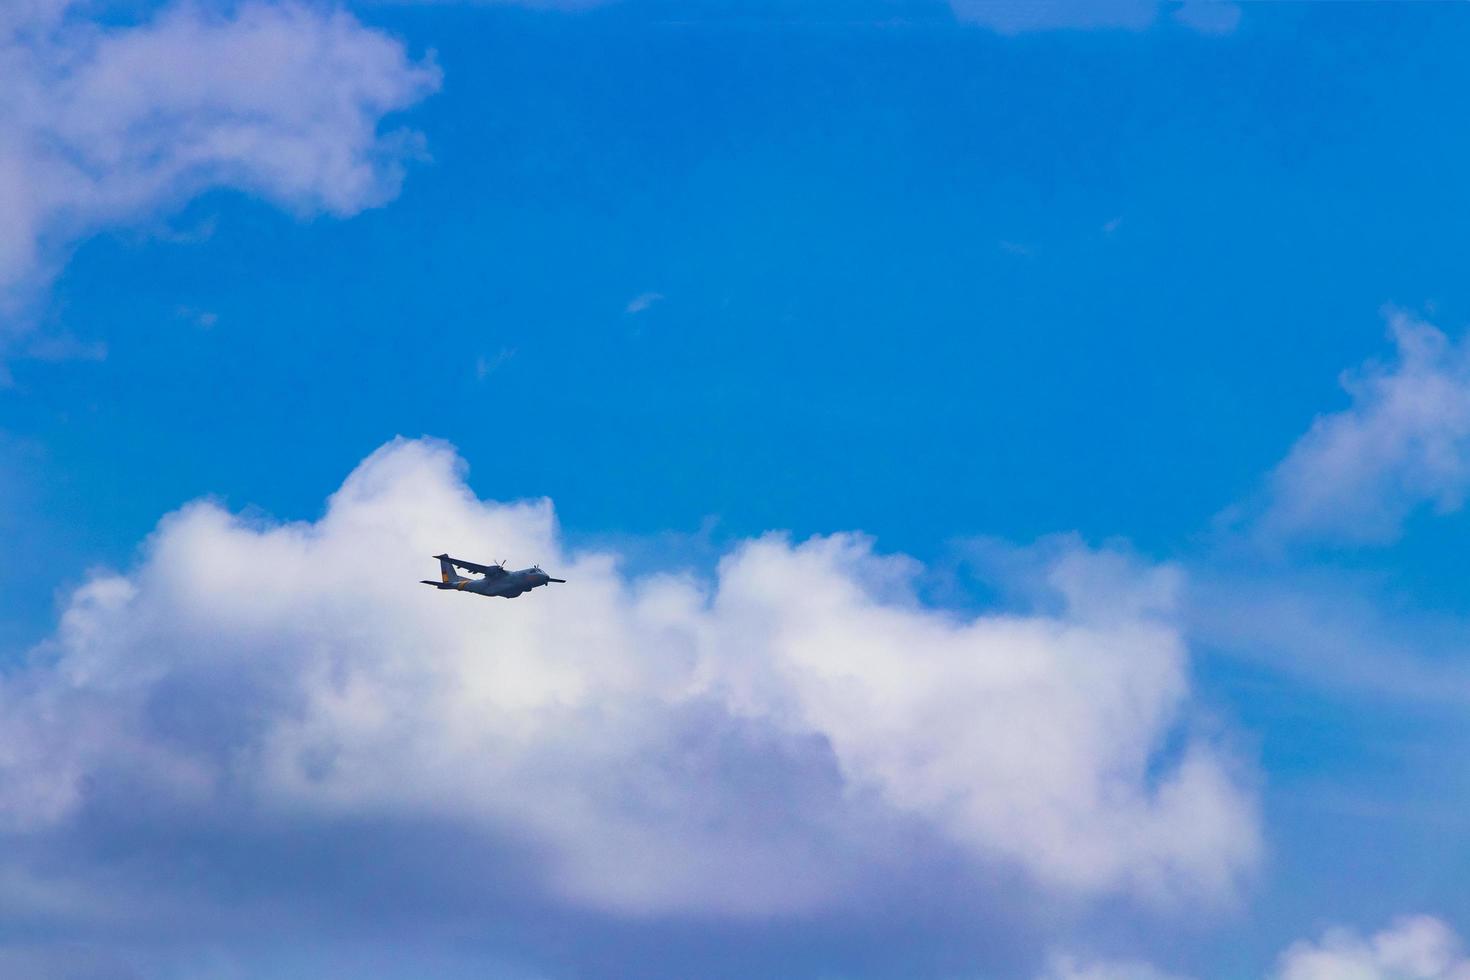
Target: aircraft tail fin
[{"x": 446, "y": 570}]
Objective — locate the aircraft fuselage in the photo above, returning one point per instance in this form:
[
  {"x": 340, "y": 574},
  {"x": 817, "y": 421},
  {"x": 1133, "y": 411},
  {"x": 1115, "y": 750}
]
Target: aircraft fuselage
[
  {"x": 508, "y": 586},
  {"x": 494, "y": 580}
]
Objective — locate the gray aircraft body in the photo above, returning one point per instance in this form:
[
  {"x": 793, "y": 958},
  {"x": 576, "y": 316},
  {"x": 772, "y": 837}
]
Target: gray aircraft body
[{"x": 495, "y": 579}]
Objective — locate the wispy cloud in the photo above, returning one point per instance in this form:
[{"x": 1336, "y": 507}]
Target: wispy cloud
[
  {"x": 1024, "y": 16},
  {"x": 204, "y": 319},
  {"x": 1358, "y": 474},
  {"x": 108, "y": 125},
  {"x": 1064, "y": 967},
  {"x": 642, "y": 302},
  {"x": 486, "y": 366},
  {"x": 1332, "y": 632},
  {"x": 1209, "y": 16},
  {"x": 65, "y": 347}
]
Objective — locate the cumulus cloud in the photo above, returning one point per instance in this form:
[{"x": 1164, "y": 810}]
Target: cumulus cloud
[
  {"x": 1404, "y": 443},
  {"x": 109, "y": 124},
  {"x": 767, "y": 742},
  {"x": 1416, "y": 947},
  {"x": 1021, "y": 16}
]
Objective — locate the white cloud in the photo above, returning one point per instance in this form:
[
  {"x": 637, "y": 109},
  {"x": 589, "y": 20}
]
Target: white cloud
[
  {"x": 1358, "y": 474},
  {"x": 761, "y": 744},
  {"x": 107, "y": 125},
  {"x": 1414, "y": 948}
]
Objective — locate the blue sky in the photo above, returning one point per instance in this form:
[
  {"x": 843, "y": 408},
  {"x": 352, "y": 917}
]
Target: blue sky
[{"x": 989, "y": 291}]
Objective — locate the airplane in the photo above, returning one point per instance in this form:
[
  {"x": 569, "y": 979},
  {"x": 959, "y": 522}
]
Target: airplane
[{"x": 497, "y": 579}]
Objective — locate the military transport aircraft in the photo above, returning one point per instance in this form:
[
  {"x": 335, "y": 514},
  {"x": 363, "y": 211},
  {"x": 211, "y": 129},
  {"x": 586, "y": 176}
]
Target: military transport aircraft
[{"x": 497, "y": 580}]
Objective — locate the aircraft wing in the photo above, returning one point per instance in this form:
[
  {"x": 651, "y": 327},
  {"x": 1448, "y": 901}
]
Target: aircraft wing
[{"x": 489, "y": 571}]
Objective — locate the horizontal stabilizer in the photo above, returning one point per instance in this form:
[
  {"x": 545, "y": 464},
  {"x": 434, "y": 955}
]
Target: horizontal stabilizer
[
  {"x": 437, "y": 585},
  {"x": 490, "y": 571}
]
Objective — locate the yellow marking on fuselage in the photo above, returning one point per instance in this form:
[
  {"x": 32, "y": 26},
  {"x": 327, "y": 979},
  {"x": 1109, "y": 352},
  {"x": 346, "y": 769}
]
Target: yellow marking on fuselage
[{"x": 461, "y": 585}]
